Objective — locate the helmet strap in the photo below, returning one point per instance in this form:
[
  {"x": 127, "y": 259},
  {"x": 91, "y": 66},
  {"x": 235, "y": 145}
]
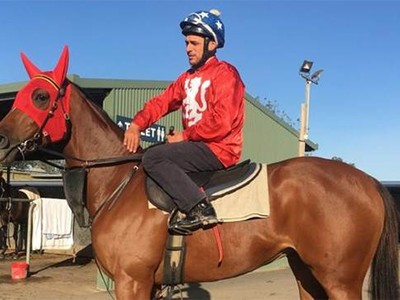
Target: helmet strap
[{"x": 206, "y": 54}]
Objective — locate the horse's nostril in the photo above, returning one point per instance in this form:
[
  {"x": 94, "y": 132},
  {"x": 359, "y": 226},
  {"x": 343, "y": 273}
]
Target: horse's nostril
[{"x": 4, "y": 143}]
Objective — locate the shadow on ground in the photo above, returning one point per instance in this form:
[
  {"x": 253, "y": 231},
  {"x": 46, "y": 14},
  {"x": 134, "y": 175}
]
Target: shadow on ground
[{"x": 82, "y": 258}]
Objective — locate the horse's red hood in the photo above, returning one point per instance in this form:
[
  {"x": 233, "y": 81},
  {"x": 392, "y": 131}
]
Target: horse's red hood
[{"x": 52, "y": 82}]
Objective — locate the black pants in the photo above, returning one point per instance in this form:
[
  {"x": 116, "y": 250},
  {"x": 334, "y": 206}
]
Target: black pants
[{"x": 167, "y": 164}]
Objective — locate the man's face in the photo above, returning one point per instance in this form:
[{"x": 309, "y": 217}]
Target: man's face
[{"x": 194, "y": 48}]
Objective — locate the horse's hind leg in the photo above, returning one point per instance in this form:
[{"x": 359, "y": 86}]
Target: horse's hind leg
[
  {"x": 314, "y": 283},
  {"x": 309, "y": 287},
  {"x": 23, "y": 236}
]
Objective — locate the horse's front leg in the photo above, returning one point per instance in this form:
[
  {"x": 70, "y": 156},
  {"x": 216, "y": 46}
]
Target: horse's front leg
[
  {"x": 127, "y": 288},
  {"x": 23, "y": 236},
  {"x": 16, "y": 240},
  {"x": 3, "y": 241}
]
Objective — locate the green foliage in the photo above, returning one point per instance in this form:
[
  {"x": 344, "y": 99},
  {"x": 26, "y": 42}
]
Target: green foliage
[
  {"x": 341, "y": 160},
  {"x": 273, "y": 107}
]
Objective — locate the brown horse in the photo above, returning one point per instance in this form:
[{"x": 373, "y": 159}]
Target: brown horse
[
  {"x": 331, "y": 220},
  {"x": 13, "y": 211}
]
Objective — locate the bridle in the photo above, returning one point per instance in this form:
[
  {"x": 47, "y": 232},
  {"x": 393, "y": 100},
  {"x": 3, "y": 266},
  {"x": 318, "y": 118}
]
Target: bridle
[{"x": 32, "y": 144}]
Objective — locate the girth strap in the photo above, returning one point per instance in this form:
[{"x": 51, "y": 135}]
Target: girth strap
[{"x": 174, "y": 260}]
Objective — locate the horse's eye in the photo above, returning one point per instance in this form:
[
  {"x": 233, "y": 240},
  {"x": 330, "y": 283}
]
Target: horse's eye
[{"x": 41, "y": 99}]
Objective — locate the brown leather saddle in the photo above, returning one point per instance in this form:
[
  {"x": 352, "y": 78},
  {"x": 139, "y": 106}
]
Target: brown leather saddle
[{"x": 228, "y": 180}]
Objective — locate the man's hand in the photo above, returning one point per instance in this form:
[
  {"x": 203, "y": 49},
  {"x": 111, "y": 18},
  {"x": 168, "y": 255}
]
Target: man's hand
[
  {"x": 175, "y": 137},
  {"x": 132, "y": 138}
]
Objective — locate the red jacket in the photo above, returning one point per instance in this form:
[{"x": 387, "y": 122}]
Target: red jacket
[{"x": 212, "y": 102}]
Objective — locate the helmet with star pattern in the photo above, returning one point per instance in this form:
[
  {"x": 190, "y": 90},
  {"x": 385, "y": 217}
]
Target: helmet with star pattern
[{"x": 205, "y": 23}]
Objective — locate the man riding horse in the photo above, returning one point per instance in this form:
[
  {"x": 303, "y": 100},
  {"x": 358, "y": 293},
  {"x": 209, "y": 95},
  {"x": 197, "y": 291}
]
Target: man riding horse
[
  {"x": 211, "y": 95},
  {"x": 306, "y": 195}
]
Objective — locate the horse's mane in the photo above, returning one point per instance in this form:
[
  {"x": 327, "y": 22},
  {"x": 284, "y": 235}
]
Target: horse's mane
[
  {"x": 101, "y": 113},
  {"x": 98, "y": 109}
]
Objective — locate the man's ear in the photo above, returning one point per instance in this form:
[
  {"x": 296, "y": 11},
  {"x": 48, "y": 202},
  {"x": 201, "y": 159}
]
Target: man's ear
[{"x": 212, "y": 46}]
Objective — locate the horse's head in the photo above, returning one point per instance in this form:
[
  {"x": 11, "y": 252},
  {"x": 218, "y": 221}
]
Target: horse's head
[{"x": 40, "y": 111}]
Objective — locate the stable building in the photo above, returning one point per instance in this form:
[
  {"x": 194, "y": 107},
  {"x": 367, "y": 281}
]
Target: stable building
[{"x": 267, "y": 138}]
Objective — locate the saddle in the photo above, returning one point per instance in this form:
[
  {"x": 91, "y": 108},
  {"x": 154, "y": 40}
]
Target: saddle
[{"x": 215, "y": 184}]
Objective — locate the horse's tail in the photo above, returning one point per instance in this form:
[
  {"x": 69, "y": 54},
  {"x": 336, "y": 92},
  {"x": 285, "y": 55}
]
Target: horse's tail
[{"x": 384, "y": 275}]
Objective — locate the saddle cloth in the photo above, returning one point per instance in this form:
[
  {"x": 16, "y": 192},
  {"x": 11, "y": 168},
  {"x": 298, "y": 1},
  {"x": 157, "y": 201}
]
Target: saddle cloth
[{"x": 250, "y": 201}]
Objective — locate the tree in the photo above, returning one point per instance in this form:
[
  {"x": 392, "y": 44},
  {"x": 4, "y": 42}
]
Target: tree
[
  {"x": 341, "y": 160},
  {"x": 273, "y": 107}
]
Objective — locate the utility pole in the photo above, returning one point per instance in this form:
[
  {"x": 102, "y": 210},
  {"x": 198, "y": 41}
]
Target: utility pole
[{"x": 305, "y": 107}]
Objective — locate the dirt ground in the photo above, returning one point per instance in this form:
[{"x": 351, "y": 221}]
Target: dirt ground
[{"x": 57, "y": 277}]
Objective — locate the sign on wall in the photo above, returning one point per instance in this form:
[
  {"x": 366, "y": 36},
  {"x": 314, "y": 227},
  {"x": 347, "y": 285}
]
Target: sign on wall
[{"x": 154, "y": 134}]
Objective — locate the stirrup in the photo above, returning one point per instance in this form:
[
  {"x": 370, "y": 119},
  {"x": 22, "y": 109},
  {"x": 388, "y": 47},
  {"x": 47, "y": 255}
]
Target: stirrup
[
  {"x": 172, "y": 220},
  {"x": 180, "y": 231},
  {"x": 208, "y": 225}
]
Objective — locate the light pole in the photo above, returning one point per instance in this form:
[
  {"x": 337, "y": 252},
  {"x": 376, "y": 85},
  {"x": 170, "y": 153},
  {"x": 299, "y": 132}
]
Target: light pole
[{"x": 305, "y": 107}]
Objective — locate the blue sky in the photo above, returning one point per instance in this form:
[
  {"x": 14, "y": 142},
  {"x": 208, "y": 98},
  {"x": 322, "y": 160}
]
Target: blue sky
[{"x": 354, "y": 110}]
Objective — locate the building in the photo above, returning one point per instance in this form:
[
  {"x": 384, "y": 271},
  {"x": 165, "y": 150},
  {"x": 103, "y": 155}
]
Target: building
[{"x": 267, "y": 138}]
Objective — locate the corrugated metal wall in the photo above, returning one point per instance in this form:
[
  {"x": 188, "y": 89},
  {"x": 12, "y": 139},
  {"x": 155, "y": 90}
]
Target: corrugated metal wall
[
  {"x": 266, "y": 139},
  {"x": 127, "y": 101}
]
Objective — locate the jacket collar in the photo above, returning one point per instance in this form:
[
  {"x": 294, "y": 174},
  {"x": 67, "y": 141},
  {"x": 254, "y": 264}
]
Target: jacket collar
[{"x": 210, "y": 62}]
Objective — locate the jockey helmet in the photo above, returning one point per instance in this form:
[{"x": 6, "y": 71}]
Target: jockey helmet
[{"x": 205, "y": 23}]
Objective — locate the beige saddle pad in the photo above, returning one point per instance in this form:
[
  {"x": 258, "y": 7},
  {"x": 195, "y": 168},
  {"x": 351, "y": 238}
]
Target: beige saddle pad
[{"x": 250, "y": 201}]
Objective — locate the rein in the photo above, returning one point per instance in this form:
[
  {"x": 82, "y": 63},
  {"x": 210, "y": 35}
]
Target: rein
[
  {"x": 114, "y": 195},
  {"x": 92, "y": 163},
  {"x": 103, "y": 162}
]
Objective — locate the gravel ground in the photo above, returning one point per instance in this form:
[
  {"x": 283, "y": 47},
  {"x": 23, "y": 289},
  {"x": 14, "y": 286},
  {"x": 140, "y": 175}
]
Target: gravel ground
[{"x": 57, "y": 277}]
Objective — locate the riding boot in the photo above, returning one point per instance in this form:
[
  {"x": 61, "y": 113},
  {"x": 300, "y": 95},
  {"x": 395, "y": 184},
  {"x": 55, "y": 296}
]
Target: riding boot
[{"x": 201, "y": 216}]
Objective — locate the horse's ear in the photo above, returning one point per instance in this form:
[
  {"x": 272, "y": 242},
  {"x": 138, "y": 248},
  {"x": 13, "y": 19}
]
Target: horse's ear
[
  {"x": 60, "y": 71},
  {"x": 31, "y": 69}
]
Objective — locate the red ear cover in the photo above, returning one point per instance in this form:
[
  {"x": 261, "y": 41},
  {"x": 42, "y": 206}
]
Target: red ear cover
[
  {"x": 31, "y": 69},
  {"x": 50, "y": 81},
  {"x": 60, "y": 71}
]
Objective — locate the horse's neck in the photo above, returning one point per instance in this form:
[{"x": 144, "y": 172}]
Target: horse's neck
[{"x": 95, "y": 136}]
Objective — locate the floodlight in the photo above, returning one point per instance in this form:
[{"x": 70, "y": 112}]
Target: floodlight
[
  {"x": 315, "y": 77},
  {"x": 306, "y": 67}
]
